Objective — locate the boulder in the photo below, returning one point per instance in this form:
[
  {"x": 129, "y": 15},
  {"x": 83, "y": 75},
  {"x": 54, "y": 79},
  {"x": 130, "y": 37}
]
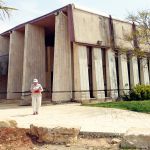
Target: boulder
[
  {"x": 136, "y": 138},
  {"x": 58, "y": 135},
  {"x": 115, "y": 141},
  {"x": 8, "y": 124}
]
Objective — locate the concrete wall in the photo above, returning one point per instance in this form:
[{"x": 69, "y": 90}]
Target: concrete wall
[
  {"x": 120, "y": 30},
  {"x": 81, "y": 79},
  {"x": 62, "y": 77},
  {"x": 15, "y": 69},
  {"x": 134, "y": 72},
  {"x": 90, "y": 28},
  {"x": 34, "y": 56},
  {"x": 123, "y": 74},
  {"x": 97, "y": 73},
  {"x": 144, "y": 73},
  {"x": 111, "y": 74},
  {"x": 4, "y": 45}
]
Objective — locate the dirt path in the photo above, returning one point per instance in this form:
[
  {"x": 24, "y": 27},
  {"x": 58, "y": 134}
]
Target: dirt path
[{"x": 20, "y": 139}]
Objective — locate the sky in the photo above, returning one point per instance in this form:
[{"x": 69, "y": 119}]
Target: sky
[{"x": 30, "y": 9}]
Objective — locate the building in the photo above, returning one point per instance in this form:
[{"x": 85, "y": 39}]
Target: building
[{"x": 73, "y": 54}]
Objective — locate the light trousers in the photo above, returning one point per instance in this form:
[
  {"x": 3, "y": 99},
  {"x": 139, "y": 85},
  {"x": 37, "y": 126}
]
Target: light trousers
[{"x": 36, "y": 102}]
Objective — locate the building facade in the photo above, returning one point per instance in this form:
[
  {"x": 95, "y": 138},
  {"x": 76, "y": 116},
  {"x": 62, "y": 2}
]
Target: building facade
[{"x": 73, "y": 54}]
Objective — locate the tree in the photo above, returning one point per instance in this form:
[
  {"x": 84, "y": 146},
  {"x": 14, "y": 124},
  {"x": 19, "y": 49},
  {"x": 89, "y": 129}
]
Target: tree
[
  {"x": 140, "y": 37},
  {"x": 4, "y": 10}
]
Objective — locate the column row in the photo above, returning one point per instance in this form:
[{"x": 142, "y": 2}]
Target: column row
[{"x": 26, "y": 60}]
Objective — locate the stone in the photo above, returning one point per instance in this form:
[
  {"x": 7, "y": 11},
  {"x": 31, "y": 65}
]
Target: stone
[
  {"x": 60, "y": 135},
  {"x": 115, "y": 141},
  {"x": 136, "y": 138},
  {"x": 68, "y": 145},
  {"x": 8, "y": 124}
]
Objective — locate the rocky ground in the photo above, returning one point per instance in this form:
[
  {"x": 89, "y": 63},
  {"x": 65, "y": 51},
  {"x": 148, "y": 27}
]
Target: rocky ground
[{"x": 20, "y": 139}]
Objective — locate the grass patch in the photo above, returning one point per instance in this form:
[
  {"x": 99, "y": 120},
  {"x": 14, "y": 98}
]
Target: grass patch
[{"x": 138, "y": 106}]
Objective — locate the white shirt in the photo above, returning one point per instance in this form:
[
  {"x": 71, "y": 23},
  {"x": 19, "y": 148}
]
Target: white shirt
[{"x": 36, "y": 89}]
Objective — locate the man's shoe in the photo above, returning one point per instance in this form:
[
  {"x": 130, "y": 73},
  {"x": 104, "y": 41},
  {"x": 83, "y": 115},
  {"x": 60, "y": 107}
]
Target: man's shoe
[
  {"x": 34, "y": 113},
  {"x": 37, "y": 113}
]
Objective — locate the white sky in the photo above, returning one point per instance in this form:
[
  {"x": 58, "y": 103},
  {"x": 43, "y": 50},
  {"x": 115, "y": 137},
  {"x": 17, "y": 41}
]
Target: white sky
[{"x": 30, "y": 9}]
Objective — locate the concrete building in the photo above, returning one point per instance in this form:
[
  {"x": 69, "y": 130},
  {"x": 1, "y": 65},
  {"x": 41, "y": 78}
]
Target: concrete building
[{"x": 73, "y": 53}]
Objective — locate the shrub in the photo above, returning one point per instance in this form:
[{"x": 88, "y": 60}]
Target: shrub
[{"x": 140, "y": 92}]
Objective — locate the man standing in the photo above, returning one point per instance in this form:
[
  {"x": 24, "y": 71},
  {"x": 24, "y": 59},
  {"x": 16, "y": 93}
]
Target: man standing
[{"x": 36, "y": 90}]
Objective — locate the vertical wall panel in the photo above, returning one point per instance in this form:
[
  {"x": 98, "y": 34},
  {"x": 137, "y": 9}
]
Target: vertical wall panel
[
  {"x": 15, "y": 69},
  {"x": 134, "y": 71},
  {"x": 34, "y": 56},
  {"x": 123, "y": 74},
  {"x": 111, "y": 74},
  {"x": 97, "y": 72},
  {"x": 81, "y": 79},
  {"x": 144, "y": 71},
  {"x": 62, "y": 78}
]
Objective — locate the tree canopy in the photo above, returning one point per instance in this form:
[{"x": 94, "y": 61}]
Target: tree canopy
[{"x": 140, "y": 37}]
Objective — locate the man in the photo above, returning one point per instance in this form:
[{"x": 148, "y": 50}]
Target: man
[{"x": 36, "y": 90}]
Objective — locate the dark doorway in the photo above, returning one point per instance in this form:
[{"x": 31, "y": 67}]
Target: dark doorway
[
  {"x": 49, "y": 70},
  {"x": 89, "y": 61},
  {"x": 104, "y": 69}
]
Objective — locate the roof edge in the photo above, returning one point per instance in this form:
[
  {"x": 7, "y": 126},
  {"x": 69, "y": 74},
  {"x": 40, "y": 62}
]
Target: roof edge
[{"x": 34, "y": 20}]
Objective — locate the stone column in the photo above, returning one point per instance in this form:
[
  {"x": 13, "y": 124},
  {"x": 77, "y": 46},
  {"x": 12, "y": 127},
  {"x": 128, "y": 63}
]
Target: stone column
[
  {"x": 62, "y": 78},
  {"x": 81, "y": 79},
  {"x": 134, "y": 71},
  {"x": 111, "y": 74},
  {"x": 97, "y": 73},
  {"x": 34, "y": 57},
  {"x": 4, "y": 51},
  {"x": 123, "y": 74},
  {"x": 15, "y": 69},
  {"x": 144, "y": 71}
]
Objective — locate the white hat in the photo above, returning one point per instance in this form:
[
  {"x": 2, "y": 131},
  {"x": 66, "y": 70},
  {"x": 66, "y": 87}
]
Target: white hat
[{"x": 35, "y": 80}]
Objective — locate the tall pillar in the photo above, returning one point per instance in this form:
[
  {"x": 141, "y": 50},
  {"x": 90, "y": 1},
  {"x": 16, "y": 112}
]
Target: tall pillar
[
  {"x": 123, "y": 74},
  {"x": 134, "y": 72},
  {"x": 97, "y": 74},
  {"x": 15, "y": 69},
  {"x": 4, "y": 51},
  {"x": 34, "y": 57},
  {"x": 81, "y": 79},
  {"x": 111, "y": 74},
  {"x": 144, "y": 74},
  {"x": 62, "y": 75}
]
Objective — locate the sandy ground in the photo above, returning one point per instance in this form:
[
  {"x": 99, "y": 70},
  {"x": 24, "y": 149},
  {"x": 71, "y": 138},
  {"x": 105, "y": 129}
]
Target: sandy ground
[{"x": 90, "y": 119}]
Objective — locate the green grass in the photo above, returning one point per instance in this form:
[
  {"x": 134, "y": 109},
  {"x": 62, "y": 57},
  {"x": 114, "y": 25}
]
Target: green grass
[{"x": 138, "y": 106}]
